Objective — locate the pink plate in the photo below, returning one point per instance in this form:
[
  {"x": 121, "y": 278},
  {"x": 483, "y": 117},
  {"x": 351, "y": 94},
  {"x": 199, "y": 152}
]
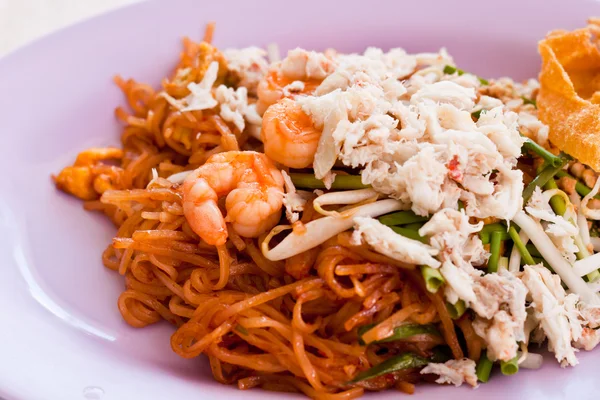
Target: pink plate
[{"x": 61, "y": 335}]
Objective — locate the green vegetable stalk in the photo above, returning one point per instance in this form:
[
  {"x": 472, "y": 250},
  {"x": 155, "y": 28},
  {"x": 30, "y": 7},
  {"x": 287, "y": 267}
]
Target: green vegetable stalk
[
  {"x": 495, "y": 245},
  {"x": 525, "y": 255},
  {"x": 400, "y": 332},
  {"x": 484, "y": 368},
  {"x": 457, "y": 309},
  {"x": 542, "y": 179},
  {"x": 409, "y": 233},
  {"x": 486, "y": 232},
  {"x": 510, "y": 367},
  {"x": 556, "y": 202},
  {"x": 433, "y": 278},
  {"x": 401, "y": 218},
  {"x": 341, "y": 182},
  {"x": 548, "y": 157},
  {"x": 399, "y": 363}
]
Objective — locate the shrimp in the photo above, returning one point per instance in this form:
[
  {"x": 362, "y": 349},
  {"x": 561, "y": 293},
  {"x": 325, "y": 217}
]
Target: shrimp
[
  {"x": 253, "y": 187},
  {"x": 89, "y": 177},
  {"x": 300, "y": 73},
  {"x": 288, "y": 134}
]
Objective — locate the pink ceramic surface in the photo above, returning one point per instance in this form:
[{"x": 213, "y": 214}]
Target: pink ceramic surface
[{"x": 61, "y": 336}]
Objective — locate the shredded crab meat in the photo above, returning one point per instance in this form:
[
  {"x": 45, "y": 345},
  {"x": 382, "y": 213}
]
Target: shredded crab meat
[
  {"x": 293, "y": 88},
  {"x": 445, "y": 92},
  {"x": 455, "y": 372},
  {"x": 301, "y": 64},
  {"x": 591, "y": 314},
  {"x": 248, "y": 64},
  {"x": 555, "y": 311},
  {"x": 416, "y": 140},
  {"x": 385, "y": 241},
  {"x": 589, "y": 339},
  {"x": 502, "y": 291},
  {"x": 501, "y": 314},
  {"x": 498, "y": 334},
  {"x": 234, "y": 105},
  {"x": 200, "y": 97},
  {"x": 449, "y": 232},
  {"x": 460, "y": 283},
  {"x": 533, "y": 128},
  {"x": 486, "y": 103},
  {"x": 560, "y": 230},
  {"x": 293, "y": 200},
  {"x": 497, "y": 299}
]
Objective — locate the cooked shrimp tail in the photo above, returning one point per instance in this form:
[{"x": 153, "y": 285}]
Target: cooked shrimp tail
[{"x": 202, "y": 211}]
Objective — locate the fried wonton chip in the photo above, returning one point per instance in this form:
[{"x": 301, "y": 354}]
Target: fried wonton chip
[{"x": 569, "y": 97}]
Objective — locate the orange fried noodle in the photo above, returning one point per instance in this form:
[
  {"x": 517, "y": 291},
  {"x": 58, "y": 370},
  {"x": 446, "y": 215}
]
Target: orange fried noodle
[{"x": 288, "y": 326}]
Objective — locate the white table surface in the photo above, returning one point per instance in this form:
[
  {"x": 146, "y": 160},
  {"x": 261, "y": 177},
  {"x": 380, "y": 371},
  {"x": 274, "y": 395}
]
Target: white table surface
[{"x": 22, "y": 21}]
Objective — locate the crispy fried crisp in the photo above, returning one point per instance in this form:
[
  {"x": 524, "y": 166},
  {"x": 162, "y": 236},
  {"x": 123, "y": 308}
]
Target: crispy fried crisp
[{"x": 568, "y": 98}]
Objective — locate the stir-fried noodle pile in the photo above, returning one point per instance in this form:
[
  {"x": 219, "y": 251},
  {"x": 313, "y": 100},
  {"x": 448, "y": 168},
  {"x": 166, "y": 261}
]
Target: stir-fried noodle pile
[{"x": 305, "y": 290}]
